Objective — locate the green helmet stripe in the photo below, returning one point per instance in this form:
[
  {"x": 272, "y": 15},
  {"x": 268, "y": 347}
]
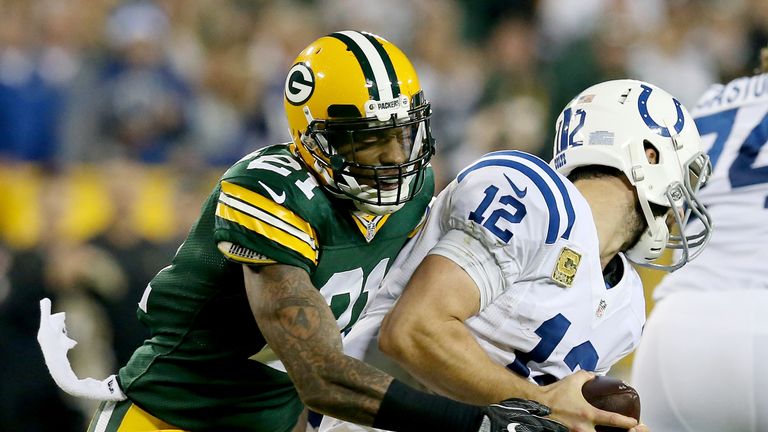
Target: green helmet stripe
[
  {"x": 376, "y": 68},
  {"x": 387, "y": 63}
]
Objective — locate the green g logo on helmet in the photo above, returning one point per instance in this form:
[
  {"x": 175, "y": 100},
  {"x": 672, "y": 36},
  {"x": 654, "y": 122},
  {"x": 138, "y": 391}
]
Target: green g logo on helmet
[{"x": 300, "y": 84}]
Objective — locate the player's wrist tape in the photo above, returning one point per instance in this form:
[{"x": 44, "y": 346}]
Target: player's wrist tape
[{"x": 406, "y": 409}]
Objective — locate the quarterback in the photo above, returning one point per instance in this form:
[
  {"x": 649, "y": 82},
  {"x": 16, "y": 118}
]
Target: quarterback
[
  {"x": 289, "y": 249},
  {"x": 522, "y": 274},
  {"x": 713, "y": 313}
]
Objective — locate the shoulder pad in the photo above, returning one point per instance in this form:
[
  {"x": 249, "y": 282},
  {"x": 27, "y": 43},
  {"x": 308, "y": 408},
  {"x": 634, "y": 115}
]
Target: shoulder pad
[{"x": 267, "y": 207}]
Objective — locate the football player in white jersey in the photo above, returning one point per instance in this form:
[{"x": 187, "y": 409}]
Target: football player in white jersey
[
  {"x": 702, "y": 362},
  {"x": 522, "y": 275}
]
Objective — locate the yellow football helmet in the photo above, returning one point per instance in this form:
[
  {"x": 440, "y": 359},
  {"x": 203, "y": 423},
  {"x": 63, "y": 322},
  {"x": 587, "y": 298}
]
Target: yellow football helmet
[{"x": 347, "y": 92}]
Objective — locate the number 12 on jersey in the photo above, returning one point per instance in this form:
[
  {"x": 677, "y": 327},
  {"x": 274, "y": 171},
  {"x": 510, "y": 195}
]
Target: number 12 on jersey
[
  {"x": 490, "y": 223},
  {"x": 551, "y": 333}
]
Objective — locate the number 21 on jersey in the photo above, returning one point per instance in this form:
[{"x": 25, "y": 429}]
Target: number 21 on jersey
[{"x": 348, "y": 292}]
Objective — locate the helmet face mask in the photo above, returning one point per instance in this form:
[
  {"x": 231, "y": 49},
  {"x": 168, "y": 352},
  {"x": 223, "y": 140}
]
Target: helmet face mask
[
  {"x": 698, "y": 171},
  {"x": 348, "y": 149},
  {"x": 363, "y": 130},
  {"x": 614, "y": 124}
]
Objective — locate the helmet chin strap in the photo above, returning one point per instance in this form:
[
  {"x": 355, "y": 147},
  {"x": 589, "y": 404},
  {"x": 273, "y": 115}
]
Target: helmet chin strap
[
  {"x": 377, "y": 210},
  {"x": 651, "y": 243},
  {"x": 366, "y": 194}
]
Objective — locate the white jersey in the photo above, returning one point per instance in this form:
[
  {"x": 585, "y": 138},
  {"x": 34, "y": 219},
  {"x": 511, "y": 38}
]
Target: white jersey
[
  {"x": 526, "y": 236},
  {"x": 733, "y": 122}
]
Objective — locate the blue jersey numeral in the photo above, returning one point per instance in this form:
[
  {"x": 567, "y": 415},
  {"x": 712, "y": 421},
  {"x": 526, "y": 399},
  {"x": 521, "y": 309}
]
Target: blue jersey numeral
[
  {"x": 551, "y": 333},
  {"x": 567, "y": 137},
  {"x": 741, "y": 173},
  {"x": 477, "y": 215}
]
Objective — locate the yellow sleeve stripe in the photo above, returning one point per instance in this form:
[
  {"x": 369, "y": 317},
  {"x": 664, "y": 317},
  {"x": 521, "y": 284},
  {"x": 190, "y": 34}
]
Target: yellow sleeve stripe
[
  {"x": 270, "y": 219},
  {"x": 261, "y": 202},
  {"x": 308, "y": 250}
]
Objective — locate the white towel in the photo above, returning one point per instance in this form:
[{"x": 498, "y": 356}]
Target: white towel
[{"x": 53, "y": 339}]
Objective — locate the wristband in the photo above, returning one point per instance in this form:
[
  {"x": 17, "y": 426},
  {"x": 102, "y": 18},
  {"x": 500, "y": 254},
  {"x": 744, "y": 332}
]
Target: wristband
[{"x": 406, "y": 409}]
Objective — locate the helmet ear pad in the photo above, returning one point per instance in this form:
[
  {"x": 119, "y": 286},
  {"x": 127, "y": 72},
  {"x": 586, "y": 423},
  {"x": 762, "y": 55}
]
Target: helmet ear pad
[{"x": 619, "y": 124}]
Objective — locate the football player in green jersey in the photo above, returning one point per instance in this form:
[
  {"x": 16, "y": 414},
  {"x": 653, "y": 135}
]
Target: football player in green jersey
[{"x": 288, "y": 250}]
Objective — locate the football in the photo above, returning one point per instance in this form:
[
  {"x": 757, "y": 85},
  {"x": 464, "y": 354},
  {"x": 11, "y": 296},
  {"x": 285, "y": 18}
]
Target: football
[{"x": 612, "y": 394}]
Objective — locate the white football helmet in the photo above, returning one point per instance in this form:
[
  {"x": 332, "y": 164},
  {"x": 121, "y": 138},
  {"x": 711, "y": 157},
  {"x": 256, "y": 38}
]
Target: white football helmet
[{"x": 612, "y": 124}]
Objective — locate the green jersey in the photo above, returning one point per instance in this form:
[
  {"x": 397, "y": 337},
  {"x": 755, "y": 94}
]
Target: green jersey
[{"x": 206, "y": 365}]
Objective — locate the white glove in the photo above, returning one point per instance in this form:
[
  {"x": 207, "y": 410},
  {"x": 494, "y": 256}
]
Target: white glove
[{"x": 53, "y": 339}]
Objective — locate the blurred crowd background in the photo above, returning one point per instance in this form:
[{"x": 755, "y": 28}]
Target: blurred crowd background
[{"x": 117, "y": 117}]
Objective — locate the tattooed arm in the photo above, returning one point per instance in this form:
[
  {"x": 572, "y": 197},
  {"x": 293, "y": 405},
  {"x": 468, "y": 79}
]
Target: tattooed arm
[{"x": 300, "y": 328}]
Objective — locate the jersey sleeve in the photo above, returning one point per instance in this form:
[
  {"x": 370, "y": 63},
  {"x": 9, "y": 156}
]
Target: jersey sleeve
[
  {"x": 256, "y": 223},
  {"x": 475, "y": 258},
  {"x": 504, "y": 212}
]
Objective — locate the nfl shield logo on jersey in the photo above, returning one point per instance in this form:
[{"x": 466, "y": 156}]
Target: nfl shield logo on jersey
[
  {"x": 565, "y": 269},
  {"x": 601, "y": 308}
]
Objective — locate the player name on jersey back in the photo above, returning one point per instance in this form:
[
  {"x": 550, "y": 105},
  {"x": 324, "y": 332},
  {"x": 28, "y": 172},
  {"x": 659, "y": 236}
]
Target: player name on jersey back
[{"x": 737, "y": 92}]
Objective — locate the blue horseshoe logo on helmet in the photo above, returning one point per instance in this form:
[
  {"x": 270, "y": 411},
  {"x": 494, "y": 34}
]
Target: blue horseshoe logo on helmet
[{"x": 642, "y": 105}]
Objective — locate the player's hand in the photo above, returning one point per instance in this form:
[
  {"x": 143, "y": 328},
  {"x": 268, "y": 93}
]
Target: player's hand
[
  {"x": 571, "y": 409},
  {"x": 518, "y": 415}
]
